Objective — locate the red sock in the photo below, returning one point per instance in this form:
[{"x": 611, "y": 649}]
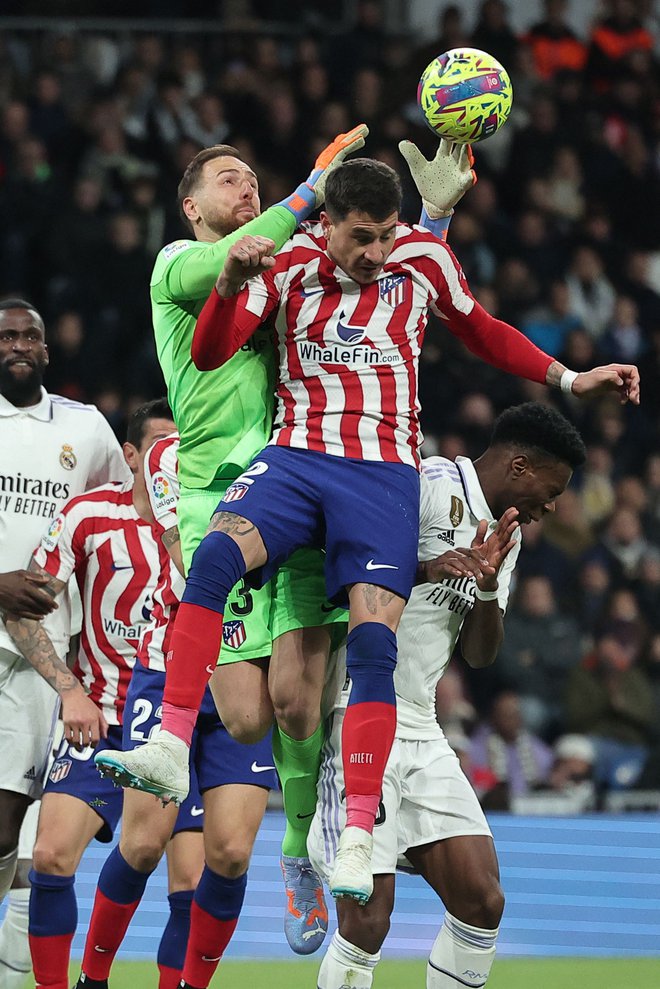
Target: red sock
[
  {"x": 366, "y": 740},
  {"x": 107, "y": 927},
  {"x": 168, "y": 978},
  {"x": 196, "y": 642},
  {"x": 209, "y": 936},
  {"x": 50, "y": 959}
]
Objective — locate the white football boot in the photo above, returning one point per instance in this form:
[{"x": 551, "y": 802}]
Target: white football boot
[
  {"x": 161, "y": 767},
  {"x": 351, "y": 874}
]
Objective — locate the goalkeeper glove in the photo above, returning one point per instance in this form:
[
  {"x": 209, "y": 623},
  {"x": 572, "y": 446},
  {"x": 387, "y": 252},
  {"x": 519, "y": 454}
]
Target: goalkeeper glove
[
  {"x": 311, "y": 193},
  {"x": 444, "y": 180}
]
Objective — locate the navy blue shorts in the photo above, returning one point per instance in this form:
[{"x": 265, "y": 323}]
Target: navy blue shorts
[
  {"x": 216, "y": 758},
  {"x": 365, "y": 514},
  {"x": 75, "y": 774}
]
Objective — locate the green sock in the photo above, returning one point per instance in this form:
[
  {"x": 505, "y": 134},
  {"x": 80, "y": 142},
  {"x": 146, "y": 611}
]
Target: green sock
[{"x": 298, "y": 767}]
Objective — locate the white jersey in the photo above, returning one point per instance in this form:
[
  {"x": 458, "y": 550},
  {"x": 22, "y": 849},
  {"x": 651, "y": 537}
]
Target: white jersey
[
  {"x": 48, "y": 453},
  {"x": 100, "y": 538},
  {"x": 162, "y": 483},
  {"x": 452, "y": 505}
]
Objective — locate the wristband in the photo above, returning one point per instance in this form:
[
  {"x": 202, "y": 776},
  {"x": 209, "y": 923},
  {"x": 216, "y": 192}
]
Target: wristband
[
  {"x": 438, "y": 227},
  {"x": 302, "y": 202},
  {"x": 566, "y": 381},
  {"x": 485, "y": 595}
]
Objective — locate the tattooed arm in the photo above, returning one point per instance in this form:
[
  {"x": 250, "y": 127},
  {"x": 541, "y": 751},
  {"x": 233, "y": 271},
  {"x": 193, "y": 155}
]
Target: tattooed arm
[
  {"x": 171, "y": 540},
  {"x": 84, "y": 723}
]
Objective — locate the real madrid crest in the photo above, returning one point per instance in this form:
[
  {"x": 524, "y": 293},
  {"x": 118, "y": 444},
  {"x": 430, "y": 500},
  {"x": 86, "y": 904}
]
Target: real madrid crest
[
  {"x": 456, "y": 511},
  {"x": 68, "y": 458}
]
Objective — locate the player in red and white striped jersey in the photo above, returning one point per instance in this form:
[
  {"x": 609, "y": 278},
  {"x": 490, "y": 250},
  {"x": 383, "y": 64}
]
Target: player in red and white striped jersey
[
  {"x": 351, "y": 301},
  {"x": 230, "y": 781},
  {"x": 101, "y": 539}
]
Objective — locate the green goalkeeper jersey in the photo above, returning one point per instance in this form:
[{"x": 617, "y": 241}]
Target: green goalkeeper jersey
[{"x": 224, "y": 417}]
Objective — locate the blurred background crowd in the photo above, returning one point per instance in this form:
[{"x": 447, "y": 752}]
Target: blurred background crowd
[{"x": 561, "y": 237}]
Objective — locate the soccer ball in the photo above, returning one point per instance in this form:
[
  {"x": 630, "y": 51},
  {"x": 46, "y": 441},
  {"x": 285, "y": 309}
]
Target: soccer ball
[{"x": 465, "y": 95}]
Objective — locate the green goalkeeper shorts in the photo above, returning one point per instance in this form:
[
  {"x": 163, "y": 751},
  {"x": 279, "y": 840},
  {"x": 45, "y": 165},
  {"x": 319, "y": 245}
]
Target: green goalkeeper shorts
[
  {"x": 299, "y": 597},
  {"x": 246, "y": 631}
]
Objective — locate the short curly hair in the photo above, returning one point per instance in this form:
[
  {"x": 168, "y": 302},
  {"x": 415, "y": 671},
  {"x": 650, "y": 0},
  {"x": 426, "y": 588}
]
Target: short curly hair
[{"x": 541, "y": 429}]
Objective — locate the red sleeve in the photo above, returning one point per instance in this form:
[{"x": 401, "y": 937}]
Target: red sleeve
[
  {"x": 223, "y": 326},
  {"x": 500, "y": 344}
]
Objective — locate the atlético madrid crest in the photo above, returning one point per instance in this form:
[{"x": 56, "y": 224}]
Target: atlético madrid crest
[
  {"x": 393, "y": 290},
  {"x": 233, "y": 634}
]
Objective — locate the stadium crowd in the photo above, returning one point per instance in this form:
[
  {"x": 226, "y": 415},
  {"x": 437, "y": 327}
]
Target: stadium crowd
[{"x": 561, "y": 236}]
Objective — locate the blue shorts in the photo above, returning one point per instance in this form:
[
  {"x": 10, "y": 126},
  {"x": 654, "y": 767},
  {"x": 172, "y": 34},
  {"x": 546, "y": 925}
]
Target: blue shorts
[
  {"x": 142, "y": 713},
  {"x": 75, "y": 774},
  {"x": 364, "y": 513},
  {"x": 216, "y": 758}
]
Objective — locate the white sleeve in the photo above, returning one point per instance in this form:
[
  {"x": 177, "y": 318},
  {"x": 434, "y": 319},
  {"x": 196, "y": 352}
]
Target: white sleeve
[
  {"x": 506, "y": 572},
  {"x": 162, "y": 481},
  {"x": 108, "y": 463}
]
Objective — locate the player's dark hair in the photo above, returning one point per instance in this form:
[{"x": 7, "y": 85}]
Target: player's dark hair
[
  {"x": 158, "y": 408},
  {"x": 539, "y": 429},
  {"x": 18, "y": 304},
  {"x": 193, "y": 171},
  {"x": 365, "y": 186}
]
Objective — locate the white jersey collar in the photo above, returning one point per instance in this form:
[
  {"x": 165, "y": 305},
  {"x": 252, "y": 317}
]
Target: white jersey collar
[
  {"x": 476, "y": 499},
  {"x": 42, "y": 411}
]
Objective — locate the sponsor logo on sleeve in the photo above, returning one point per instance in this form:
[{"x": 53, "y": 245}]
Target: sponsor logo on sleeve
[
  {"x": 162, "y": 492},
  {"x": 456, "y": 511},
  {"x": 50, "y": 540},
  {"x": 175, "y": 248}
]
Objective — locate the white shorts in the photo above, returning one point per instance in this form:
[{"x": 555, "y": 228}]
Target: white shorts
[
  {"x": 28, "y": 714},
  {"x": 426, "y": 798}
]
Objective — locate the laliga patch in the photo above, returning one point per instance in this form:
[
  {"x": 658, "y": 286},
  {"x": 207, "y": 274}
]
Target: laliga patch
[
  {"x": 60, "y": 770},
  {"x": 392, "y": 290},
  {"x": 236, "y": 491},
  {"x": 50, "y": 540},
  {"x": 68, "y": 459},
  {"x": 175, "y": 248},
  {"x": 233, "y": 634}
]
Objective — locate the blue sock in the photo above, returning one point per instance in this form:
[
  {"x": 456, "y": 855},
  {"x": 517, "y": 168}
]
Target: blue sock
[
  {"x": 119, "y": 881},
  {"x": 370, "y": 663},
  {"x": 53, "y": 906},
  {"x": 219, "y": 896},
  {"x": 217, "y": 565},
  {"x": 173, "y": 943}
]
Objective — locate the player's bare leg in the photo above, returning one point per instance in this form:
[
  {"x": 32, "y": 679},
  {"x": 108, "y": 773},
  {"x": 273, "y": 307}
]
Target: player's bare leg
[
  {"x": 368, "y": 730},
  {"x": 232, "y": 816},
  {"x": 240, "y": 692},
  {"x": 464, "y": 873},
  {"x": 296, "y": 679},
  {"x": 66, "y": 827},
  {"x": 354, "y": 950},
  {"x": 232, "y": 546}
]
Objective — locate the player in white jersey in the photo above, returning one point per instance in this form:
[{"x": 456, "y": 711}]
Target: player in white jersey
[
  {"x": 99, "y": 538},
  {"x": 429, "y": 816},
  {"x": 50, "y": 448}
]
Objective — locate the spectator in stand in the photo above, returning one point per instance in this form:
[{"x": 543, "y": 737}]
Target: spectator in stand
[
  {"x": 549, "y": 324},
  {"x": 589, "y": 595},
  {"x": 623, "y": 339},
  {"x": 504, "y": 750},
  {"x": 609, "y": 698},
  {"x": 451, "y": 33},
  {"x": 591, "y": 294},
  {"x": 540, "y": 648},
  {"x": 623, "y": 545},
  {"x": 568, "y": 528},
  {"x": 554, "y": 45},
  {"x": 613, "y": 39},
  {"x": 596, "y": 489},
  {"x": 494, "y": 34}
]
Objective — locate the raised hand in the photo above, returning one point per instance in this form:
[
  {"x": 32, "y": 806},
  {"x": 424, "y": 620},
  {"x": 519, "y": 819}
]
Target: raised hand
[{"x": 445, "y": 179}]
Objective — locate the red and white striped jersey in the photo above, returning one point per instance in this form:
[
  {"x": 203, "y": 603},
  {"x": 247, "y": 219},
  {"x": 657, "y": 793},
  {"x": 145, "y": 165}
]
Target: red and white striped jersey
[
  {"x": 162, "y": 483},
  {"x": 99, "y": 537},
  {"x": 348, "y": 353}
]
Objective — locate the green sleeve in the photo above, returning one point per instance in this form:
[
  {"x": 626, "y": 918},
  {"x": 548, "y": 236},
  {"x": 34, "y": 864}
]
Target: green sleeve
[{"x": 191, "y": 274}]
